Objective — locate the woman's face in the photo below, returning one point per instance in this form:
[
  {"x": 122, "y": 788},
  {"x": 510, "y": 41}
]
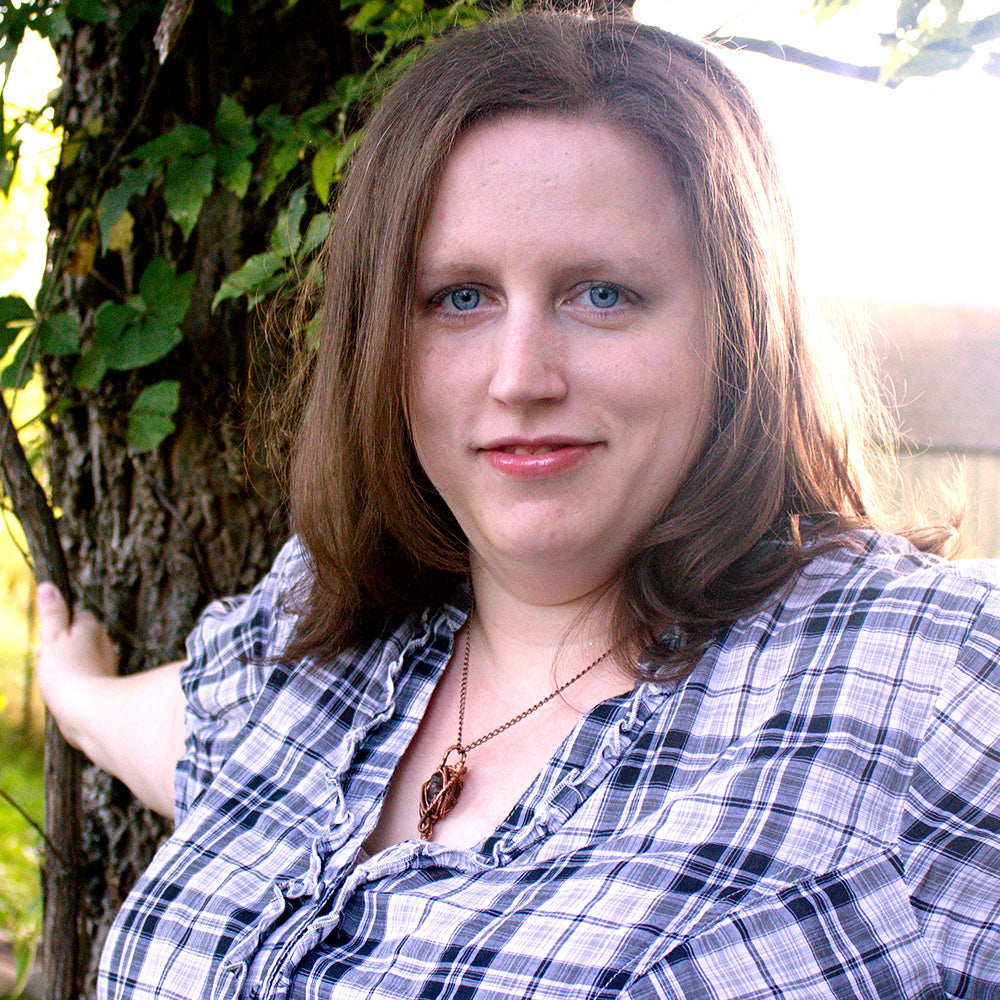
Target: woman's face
[{"x": 559, "y": 382}]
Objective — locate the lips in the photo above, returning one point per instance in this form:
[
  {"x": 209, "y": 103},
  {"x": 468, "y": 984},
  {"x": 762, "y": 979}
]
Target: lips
[{"x": 535, "y": 459}]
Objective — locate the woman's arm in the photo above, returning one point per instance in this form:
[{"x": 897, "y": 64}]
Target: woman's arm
[{"x": 132, "y": 727}]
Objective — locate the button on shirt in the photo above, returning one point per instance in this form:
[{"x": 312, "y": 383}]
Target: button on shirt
[{"x": 814, "y": 812}]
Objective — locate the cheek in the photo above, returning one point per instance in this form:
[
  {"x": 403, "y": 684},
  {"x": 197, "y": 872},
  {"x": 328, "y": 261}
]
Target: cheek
[
  {"x": 420, "y": 396},
  {"x": 429, "y": 417},
  {"x": 677, "y": 408}
]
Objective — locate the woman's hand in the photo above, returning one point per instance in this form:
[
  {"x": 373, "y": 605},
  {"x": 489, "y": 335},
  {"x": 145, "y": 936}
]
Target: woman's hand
[
  {"x": 132, "y": 727},
  {"x": 71, "y": 657}
]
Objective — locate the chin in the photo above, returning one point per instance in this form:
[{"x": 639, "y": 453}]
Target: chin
[{"x": 585, "y": 559}]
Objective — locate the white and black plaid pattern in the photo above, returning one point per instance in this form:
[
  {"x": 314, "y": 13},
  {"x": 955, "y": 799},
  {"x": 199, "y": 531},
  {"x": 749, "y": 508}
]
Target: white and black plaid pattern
[{"x": 814, "y": 813}]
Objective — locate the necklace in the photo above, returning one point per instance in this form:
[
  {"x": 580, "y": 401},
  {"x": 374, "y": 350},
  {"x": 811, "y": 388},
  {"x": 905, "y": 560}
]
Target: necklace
[{"x": 440, "y": 792}]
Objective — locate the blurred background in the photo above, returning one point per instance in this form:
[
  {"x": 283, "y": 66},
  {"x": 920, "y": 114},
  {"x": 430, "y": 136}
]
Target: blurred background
[{"x": 896, "y": 200}]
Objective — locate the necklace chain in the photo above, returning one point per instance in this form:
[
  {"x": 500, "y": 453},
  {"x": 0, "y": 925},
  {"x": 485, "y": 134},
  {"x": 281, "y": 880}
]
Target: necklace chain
[
  {"x": 517, "y": 718},
  {"x": 439, "y": 794}
]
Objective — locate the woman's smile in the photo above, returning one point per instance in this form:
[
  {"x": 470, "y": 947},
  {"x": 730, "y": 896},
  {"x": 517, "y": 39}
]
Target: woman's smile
[
  {"x": 536, "y": 459},
  {"x": 559, "y": 383}
]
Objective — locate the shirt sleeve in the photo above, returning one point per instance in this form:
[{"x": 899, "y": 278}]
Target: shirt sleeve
[
  {"x": 230, "y": 653},
  {"x": 950, "y": 836}
]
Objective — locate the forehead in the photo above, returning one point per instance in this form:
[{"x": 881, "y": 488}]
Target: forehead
[
  {"x": 571, "y": 179},
  {"x": 561, "y": 141}
]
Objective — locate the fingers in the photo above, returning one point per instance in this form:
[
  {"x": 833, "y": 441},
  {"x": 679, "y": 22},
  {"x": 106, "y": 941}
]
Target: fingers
[{"x": 53, "y": 615}]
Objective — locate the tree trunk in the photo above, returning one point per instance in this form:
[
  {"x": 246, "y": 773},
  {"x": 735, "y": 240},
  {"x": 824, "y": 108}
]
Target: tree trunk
[{"x": 150, "y": 539}]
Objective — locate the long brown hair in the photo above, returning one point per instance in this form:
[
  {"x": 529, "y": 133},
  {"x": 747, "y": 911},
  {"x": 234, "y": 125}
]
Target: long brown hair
[{"x": 785, "y": 463}]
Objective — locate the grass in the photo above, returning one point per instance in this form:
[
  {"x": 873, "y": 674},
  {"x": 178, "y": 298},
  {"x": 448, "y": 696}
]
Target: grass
[{"x": 20, "y": 901}]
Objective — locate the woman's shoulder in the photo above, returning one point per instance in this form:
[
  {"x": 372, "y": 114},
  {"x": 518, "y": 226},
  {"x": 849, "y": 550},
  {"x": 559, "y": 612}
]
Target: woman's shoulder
[
  {"x": 243, "y": 631},
  {"x": 878, "y": 613},
  {"x": 871, "y": 568},
  {"x": 238, "y": 643}
]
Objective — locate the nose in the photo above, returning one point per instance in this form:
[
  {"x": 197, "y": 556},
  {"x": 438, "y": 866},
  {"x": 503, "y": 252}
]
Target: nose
[{"x": 529, "y": 365}]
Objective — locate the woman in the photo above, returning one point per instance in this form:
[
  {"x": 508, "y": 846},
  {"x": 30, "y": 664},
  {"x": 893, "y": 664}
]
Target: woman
[{"x": 584, "y": 675}]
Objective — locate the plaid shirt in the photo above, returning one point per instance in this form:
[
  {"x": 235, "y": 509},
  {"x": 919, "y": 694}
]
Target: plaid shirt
[{"x": 814, "y": 812}]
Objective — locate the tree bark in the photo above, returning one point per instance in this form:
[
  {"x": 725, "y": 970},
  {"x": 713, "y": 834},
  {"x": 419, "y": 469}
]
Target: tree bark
[{"x": 150, "y": 539}]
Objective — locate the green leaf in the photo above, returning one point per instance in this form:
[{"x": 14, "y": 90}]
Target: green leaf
[
  {"x": 15, "y": 313},
  {"x": 113, "y": 204},
  {"x": 166, "y": 295},
  {"x": 324, "y": 162},
  {"x": 952, "y": 9},
  {"x": 272, "y": 121},
  {"x": 233, "y": 173},
  {"x": 59, "y": 335},
  {"x": 248, "y": 279},
  {"x": 53, "y": 24},
  {"x": 313, "y": 330},
  {"x": 286, "y": 235},
  {"x": 24, "y": 955},
  {"x": 233, "y": 125},
  {"x": 283, "y": 157},
  {"x": 347, "y": 150},
  {"x": 72, "y": 145},
  {"x": 351, "y": 87},
  {"x": 235, "y": 128},
  {"x": 142, "y": 344},
  {"x": 369, "y": 16},
  {"x": 985, "y": 30},
  {"x": 150, "y": 421},
  {"x": 91, "y": 11},
  {"x": 111, "y": 320},
  {"x": 316, "y": 233},
  {"x": 187, "y": 183},
  {"x": 319, "y": 113},
  {"x": 15, "y": 20},
  {"x": 18, "y": 373},
  {"x": 89, "y": 370},
  {"x": 825, "y": 9},
  {"x": 11, "y": 154},
  {"x": 226, "y": 6},
  {"x": 931, "y": 59},
  {"x": 181, "y": 140}
]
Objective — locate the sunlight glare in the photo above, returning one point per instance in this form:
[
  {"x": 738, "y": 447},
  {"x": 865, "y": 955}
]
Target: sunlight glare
[{"x": 893, "y": 190}]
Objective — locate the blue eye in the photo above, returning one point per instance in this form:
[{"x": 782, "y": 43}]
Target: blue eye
[
  {"x": 604, "y": 296},
  {"x": 464, "y": 298}
]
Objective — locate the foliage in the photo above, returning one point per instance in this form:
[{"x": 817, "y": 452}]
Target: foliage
[{"x": 929, "y": 37}]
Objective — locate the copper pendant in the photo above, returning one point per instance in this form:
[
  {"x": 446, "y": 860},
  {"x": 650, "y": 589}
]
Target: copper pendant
[{"x": 440, "y": 792}]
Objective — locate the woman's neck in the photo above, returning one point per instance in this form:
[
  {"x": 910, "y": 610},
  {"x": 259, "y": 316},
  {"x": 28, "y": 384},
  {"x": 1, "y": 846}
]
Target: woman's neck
[{"x": 526, "y": 645}]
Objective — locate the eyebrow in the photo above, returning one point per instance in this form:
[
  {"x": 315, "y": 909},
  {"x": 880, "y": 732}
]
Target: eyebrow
[
  {"x": 623, "y": 265},
  {"x": 448, "y": 271}
]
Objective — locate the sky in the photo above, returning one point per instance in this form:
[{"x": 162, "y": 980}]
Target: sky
[{"x": 895, "y": 192}]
